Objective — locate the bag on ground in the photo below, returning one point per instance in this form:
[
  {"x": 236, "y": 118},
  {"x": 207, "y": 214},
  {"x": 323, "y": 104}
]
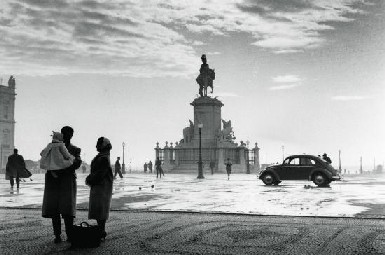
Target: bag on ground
[{"x": 85, "y": 235}]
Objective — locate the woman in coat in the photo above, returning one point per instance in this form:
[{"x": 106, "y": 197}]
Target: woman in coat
[{"x": 100, "y": 180}]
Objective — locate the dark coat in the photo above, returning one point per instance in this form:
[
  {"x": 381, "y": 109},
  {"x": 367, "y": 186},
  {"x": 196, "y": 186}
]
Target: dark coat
[
  {"x": 100, "y": 180},
  {"x": 158, "y": 164},
  {"x": 15, "y": 165},
  {"x": 228, "y": 167},
  {"x": 60, "y": 193}
]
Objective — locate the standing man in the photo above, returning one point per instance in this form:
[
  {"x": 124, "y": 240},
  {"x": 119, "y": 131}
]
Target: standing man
[
  {"x": 212, "y": 166},
  {"x": 60, "y": 192},
  {"x": 158, "y": 166},
  {"x": 228, "y": 168},
  {"x": 150, "y": 166},
  {"x": 15, "y": 166},
  {"x": 118, "y": 168},
  {"x": 145, "y": 167}
]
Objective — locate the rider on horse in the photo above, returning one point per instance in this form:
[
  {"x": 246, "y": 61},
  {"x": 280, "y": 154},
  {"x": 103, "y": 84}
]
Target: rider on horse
[{"x": 205, "y": 77}]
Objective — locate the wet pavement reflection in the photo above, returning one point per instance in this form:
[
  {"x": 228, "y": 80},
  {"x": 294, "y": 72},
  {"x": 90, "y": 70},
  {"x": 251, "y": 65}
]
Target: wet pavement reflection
[{"x": 354, "y": 196}]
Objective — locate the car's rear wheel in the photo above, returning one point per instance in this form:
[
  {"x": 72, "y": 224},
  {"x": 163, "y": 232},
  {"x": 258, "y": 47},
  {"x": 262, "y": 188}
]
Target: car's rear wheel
[
  {"x": 320, "y": 180},
  {"x": 268, "y": 179}
]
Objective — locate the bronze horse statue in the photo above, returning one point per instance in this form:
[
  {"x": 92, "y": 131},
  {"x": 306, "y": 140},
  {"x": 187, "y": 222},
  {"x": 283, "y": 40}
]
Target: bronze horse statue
[{"x": 205, "y": 77}]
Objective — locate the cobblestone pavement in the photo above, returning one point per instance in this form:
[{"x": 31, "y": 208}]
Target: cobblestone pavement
[{"x": 24, "y": 231}]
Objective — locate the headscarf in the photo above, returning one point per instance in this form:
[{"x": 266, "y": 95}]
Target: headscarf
[
  {"x": 104, "y": 145},
  {"x": 57, "y": 137}
]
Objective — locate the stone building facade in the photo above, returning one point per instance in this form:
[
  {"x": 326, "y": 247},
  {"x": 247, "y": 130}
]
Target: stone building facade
[{"x": 7, "y": 121}]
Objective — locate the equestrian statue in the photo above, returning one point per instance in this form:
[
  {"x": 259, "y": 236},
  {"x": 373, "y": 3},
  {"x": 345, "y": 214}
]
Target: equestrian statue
[{"x": 205, "y": 77}]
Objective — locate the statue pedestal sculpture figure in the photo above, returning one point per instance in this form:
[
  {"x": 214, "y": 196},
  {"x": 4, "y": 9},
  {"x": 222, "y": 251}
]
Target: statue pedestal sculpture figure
[{"x": 217, "y": 142}]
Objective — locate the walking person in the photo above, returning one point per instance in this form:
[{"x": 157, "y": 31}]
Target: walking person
[
  {"x": 228, "y": 168},
  {"x": 150, "y": 166},
  {"x": 60, "y": 193},
  {"x": 15, "y": 166},
  {"x": 100, "y": 180},
  {"x": 158, "y": 166},
  {"x": 118, "y": 168}
]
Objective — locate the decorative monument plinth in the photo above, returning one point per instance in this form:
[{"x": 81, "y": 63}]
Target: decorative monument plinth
[{"x": 215, "y": 142}]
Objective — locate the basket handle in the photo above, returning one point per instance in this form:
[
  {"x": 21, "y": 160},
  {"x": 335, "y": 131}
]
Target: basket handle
[{"x": 85, "y": 224}]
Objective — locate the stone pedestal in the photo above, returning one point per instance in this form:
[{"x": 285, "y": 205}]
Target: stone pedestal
[{"x": 207, "y": 111}]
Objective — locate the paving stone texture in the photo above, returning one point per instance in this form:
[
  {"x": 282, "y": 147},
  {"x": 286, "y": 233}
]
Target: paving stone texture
[{"x": 24, "y": 231}]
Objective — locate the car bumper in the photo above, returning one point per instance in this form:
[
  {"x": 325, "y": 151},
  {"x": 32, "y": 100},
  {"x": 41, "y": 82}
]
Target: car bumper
[{"x": 336, "y": 178}]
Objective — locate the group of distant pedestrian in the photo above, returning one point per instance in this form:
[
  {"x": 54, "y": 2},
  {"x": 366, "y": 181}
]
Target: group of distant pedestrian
[
  {"x": 147, "y": 167},
  {"x": 158, "y": 167}
]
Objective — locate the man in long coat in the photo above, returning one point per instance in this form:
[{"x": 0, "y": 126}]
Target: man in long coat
[
  {"x": 60, "y": 193},
  {"x": 118, "y": 168},
  {"x": 15, "y": 165}
]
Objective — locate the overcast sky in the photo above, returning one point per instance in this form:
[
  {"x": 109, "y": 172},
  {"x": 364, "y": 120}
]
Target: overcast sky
[{"x": 306, "y": 75}]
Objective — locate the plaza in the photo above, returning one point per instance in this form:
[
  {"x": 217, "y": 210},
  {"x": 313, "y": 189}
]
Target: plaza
[{"x": 354, "y": 196}]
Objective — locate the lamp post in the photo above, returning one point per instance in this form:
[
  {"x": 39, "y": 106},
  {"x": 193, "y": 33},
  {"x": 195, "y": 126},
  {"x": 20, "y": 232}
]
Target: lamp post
[
  {"x": 1, "y": 157},
  {"x": 283, "y": 153},
  {"x": 123, "y": 165},
  {"x": 247, "y": 157},
  {"x": 200, "y": 163},
  {"x": 361, "y": 165}
]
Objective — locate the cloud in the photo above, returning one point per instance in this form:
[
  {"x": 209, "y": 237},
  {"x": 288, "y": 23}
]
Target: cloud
[
  {"x": 284, "y": 87},
  {"x": 152, "y": 38},
  {"x": 350, "y": 98},
  {"x": 288, "y": 81},
  {"x": 289, "y": 78}
]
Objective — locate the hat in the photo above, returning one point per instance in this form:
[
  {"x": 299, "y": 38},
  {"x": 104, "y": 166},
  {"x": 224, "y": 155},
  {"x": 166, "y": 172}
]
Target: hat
[
  {"x": 104, "y": 143},
  {"x": 57, "y": 137}
]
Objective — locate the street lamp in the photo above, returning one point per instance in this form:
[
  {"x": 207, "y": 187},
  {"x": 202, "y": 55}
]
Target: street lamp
[
  {"x": 1, "y": 157},
  {"x": 200, "y": 163},
  {"x": 283, "y": 153},
  {"x": 247, "y": 157},
  {"x": 123, "y": 165}
]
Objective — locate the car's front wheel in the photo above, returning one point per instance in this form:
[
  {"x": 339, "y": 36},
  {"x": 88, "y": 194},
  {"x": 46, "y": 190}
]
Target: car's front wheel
[
  {"x": 268, "y": 179},
  {"x": 320, "y": 180}
]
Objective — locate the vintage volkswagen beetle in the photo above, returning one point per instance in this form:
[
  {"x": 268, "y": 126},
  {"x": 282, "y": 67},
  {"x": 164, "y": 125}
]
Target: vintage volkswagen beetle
[{"x": 300, "y": 167}]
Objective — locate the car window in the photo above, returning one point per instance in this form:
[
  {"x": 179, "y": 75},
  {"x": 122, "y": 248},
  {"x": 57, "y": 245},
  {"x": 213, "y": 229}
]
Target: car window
[
  {"x": 306, "y": 161},
  {"x": 286, "y": 161},
  {"x": 294, "y": 161}
]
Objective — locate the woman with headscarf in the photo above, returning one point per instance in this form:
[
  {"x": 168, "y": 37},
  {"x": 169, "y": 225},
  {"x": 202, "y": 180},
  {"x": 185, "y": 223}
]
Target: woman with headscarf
[{"x": 100, "y": 180}]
